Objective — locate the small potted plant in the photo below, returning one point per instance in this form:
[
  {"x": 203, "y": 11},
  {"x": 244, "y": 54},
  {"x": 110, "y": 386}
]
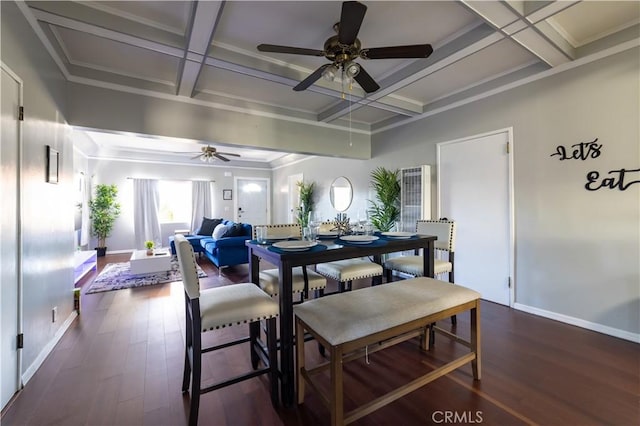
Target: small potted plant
[{"x": 149, "y": 245}]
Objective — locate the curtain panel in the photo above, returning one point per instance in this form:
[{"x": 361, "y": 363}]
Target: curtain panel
[
  {"x": 201, "y": 196},
  {"x": 146, "y": 204}
]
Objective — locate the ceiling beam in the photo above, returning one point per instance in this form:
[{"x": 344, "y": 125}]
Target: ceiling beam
[
  {"x": 524, "y": 22},
  {"x": 202, "y": 26}
]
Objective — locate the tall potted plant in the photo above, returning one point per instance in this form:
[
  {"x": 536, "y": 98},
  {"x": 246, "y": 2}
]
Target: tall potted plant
[
  {"x": 385, "y": 209},
  {"x": 104, "y": 210},
  {"x": 306, "y": 202}
]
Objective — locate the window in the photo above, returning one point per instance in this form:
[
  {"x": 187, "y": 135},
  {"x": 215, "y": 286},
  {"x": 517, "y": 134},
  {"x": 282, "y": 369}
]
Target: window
[{"x": 175, "y": 201}]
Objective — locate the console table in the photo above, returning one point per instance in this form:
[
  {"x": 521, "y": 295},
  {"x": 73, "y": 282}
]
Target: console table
[
  {"x": 288, "y": 260},
  {"x": 83, "y": 262}
]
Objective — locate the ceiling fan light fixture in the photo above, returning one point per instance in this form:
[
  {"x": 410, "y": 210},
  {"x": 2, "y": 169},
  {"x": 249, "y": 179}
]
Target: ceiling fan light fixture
[
  {"x": 330, "y": 73},
  {"x": 351, "y": 69}
]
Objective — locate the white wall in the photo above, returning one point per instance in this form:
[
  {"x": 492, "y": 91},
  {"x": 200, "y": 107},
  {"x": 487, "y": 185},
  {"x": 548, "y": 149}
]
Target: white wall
[
  {"x": 116, "y": 172},
  {"x": 577, "y": 251},
  {"x": 47, "y": 209}
]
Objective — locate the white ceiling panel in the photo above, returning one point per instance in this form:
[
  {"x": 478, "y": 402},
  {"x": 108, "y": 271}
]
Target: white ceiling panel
[
  {"x": 588, "y": 21},
  {"x": 368, "y": 115},
  {"x": 105, "y": 54},
  {"x": 488, "y": 63}
]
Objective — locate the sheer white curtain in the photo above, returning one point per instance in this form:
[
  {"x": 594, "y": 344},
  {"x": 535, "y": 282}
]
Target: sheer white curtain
[
  {"x": 201, "y": 196},
  {"x": 146, "y": 203}
]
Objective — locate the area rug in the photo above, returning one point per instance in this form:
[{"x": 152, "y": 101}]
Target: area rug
[{"x": 117, "y": 276}]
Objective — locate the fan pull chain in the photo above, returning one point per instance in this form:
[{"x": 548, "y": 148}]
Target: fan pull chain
[{"x": 350, "y": 103}]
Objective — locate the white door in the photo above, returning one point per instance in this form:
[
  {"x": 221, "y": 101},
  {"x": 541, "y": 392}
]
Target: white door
[
  {"x": 475, "y": 190},
  {"x": 9, "y": 237},
  {"x": 293, "y": 196},
  {"x": 252, "y": 201}
]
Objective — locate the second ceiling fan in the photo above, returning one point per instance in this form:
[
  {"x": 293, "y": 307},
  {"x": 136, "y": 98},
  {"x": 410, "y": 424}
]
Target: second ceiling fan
[{"x": 344, "y": 47}]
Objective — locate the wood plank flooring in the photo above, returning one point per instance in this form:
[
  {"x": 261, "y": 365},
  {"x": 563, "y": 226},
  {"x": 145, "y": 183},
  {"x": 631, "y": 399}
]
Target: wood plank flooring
[{"x": 120, "y": 363}]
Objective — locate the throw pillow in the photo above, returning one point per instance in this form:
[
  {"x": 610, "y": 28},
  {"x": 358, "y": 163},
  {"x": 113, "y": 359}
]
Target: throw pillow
[
  {"x": 236, "y": 230},
  {"x": 208, "y": 225},
  {"x": 220, "y": 231}
]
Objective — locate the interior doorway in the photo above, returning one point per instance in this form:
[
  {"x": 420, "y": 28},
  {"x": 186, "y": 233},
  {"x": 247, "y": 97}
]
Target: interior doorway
[
  {"x": 10, "y": 236},
  {"x": 293, "y": 196},
  {"x": 475, "y": 189}
]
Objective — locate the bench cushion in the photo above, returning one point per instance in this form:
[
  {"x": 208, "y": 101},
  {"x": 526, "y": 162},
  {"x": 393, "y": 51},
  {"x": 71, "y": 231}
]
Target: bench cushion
[{"x": 350, "y": 316}]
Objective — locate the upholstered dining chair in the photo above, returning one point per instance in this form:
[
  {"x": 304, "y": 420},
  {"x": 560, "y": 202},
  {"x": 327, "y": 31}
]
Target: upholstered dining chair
[
  {"x": 345, "y": 271},
  {"x": 444, "y": 247},
  {"x": 220, "y": 307},
  {"x": 270, "y": 278}
]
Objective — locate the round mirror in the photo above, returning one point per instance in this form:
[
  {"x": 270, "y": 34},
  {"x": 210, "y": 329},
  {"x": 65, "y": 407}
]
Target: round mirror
[{"x": 341, "y": 194}]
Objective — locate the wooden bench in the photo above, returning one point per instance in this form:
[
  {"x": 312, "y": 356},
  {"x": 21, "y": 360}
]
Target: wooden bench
[{"x": 375, "y": 318}]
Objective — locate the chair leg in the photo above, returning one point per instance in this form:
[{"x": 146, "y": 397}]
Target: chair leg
[
  {"x": 254, "y": 333},
  {"x": 388, "y": 275},
  {"x": 186, "y": 374},
  {"x": 341, "y": 287},
  {"x": 196, "y": 381},
  {"x": 272, "y": 347},
  {"x": 454, "y": 319}
]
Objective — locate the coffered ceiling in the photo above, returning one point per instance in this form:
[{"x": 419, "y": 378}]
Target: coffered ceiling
[{"x": 206, "y": 50}]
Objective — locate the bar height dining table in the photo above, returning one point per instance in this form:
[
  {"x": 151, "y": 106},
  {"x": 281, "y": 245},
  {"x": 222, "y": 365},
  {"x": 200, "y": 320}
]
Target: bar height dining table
[{"x": 286, "y": 261}]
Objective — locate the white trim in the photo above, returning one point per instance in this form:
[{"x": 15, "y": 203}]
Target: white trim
[
  {"x": 29, "y": 372},
  {"x": 174, "y": 163},
  {"x": 600, "y": 328},
  {"x": 294, "y": 162}
]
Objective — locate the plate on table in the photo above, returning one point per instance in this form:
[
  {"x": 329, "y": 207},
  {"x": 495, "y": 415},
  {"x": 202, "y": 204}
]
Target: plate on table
[
  {"x": 398, "y": 234},
  {"x": 277, "y": 237},
  {"x": 327, "y": 234},
  {"x": 359, "y": 239},
  {"x": 295, "y": 245}
]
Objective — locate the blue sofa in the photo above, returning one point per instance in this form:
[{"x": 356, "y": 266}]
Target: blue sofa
[{"x": 226, "y": 251}]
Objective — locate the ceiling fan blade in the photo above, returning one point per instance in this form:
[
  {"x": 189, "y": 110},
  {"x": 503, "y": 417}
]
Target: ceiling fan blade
[
  {"x": 289, "y": 49},
  {"x": 350, "y": 21},
  {"x": 229, "y": 153},
  {"x": 313, "y": 77},
  {"x": 365, "y": 81},
  {"x": 410, "y": 51},
  {"x": 193, "y": 158},
  {"x": 220, "y": 157}
]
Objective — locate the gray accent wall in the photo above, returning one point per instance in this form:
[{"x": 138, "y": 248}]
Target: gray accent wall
[
  {"x": 47, "y": 217},
  {"x": 577, "y": 252}
]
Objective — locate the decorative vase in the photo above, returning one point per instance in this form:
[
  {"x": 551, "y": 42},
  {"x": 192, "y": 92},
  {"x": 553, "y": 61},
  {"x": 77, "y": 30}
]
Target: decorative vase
[
  {"x": 149, "y": 252},
  {"x": 101, "y": 251}
]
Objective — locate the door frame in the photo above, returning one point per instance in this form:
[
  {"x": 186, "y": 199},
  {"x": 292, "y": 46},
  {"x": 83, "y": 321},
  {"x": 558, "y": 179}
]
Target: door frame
[
  {"x": 19, "y": 226},
  {"x": 511, "y": 206},
  {"x": 237, "y": 192}
]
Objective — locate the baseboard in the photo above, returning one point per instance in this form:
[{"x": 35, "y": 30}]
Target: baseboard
[
  {"x": 29, "y": 372},
  {"x": 604, "y": 329}
]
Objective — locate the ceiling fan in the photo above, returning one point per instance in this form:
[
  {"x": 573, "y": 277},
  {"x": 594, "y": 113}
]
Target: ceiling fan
[
  {"x": 344, "y": 47},
  {"x": 209, "y": 154}
]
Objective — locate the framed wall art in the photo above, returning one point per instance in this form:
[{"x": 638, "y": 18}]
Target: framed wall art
[{"x": 227, "y": 194}]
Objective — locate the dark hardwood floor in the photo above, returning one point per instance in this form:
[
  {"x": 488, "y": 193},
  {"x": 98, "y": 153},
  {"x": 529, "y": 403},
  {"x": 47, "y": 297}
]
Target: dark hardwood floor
[{"x": 120, "y": 363}]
